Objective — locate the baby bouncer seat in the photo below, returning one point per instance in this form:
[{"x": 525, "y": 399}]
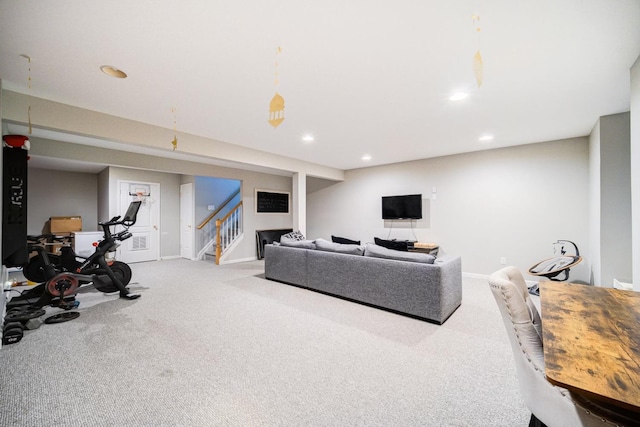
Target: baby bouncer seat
[{"x": 552, "y": 268}]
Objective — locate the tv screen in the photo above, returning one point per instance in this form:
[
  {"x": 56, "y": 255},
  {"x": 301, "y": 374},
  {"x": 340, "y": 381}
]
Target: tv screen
[{"x": 402, "y": 207}]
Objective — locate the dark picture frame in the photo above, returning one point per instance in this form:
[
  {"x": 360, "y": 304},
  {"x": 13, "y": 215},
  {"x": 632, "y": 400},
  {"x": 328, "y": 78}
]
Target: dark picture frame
[{"x": 272, "y": 202}]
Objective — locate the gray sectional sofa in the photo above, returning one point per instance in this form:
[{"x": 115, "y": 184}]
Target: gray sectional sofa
[{"x": 429, "y": 291}]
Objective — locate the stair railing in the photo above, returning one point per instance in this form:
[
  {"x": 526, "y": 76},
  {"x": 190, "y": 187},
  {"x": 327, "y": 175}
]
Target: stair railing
[
  {"x": 209, "y": 229},
  {"x": 220, "y": 207},
  {"x": 227, "y": 230}
]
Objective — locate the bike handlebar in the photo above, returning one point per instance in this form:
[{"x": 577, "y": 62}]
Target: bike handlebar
[
  {"x": 123, "y": 235},
  {"x": 112, "y": 221}
]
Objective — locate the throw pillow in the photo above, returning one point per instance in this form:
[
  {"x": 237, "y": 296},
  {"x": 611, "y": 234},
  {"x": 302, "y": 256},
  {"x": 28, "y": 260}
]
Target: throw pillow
[
  {"x": 344, "y": 240},
  {"x": 377, "y": 251},
  {"x": 304, "y": 244},
  {"x": 324, "y": 245},
  {"x": 391, "y": 244},
  {"x": 294, "y": 235}
]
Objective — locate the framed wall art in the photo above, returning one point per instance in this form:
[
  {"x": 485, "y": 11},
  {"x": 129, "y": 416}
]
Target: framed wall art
[{"x": 272, "y": 202}]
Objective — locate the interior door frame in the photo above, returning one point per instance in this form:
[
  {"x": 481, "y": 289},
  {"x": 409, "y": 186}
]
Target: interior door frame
[
  {"x": 189, "y": 205},
  {"x": 155, "y": 243}
]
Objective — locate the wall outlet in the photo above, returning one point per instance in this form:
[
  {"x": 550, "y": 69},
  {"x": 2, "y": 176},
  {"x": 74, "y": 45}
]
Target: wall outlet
[{"x": 503, "y": 260}]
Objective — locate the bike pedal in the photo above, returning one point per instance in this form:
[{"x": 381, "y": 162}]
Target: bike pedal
[{"x": 69, "y": 305}]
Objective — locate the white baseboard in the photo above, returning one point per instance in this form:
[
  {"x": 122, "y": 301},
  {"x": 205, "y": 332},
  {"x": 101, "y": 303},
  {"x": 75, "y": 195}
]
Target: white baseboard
[
  {"x": 235, "y": 261},
  {"x": 475, "y": 276},
  {"x": 170, "y": 257}
]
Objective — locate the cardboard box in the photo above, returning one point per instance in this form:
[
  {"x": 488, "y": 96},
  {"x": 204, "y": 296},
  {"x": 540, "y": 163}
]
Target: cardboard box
[{"x": 65, "y": 224}]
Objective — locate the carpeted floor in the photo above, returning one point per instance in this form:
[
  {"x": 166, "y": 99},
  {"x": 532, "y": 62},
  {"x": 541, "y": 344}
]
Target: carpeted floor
[{"x": 210, "y": 345}]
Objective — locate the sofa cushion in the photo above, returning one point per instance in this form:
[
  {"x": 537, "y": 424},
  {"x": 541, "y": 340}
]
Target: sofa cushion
[
  {"x": 325, "y": 245},
  {"x": 376, "y": 251},
  {"x": 344, "y": 240},
  {"x": 304, "y": 244},
  {"x": 392, "y": 244}
]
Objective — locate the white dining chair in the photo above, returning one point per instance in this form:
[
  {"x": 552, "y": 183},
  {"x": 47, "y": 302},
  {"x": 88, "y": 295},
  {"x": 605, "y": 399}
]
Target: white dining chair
[{"x": 550, "y": 405}]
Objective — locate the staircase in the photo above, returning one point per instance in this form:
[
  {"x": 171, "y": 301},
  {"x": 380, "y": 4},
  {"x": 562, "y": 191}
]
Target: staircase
[{"x": 221, "y": 234}]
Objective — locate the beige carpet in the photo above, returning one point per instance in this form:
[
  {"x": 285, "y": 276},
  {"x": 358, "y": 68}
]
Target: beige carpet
[{"x": 210, "y": 345}]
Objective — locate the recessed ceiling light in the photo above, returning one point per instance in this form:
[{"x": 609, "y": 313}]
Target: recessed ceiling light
[
  {"x": 458, "y": 96},
  {"x": 366, "y": 157},
  {"x": 308, "y": 138},
  {"x": 485, "y": 138},
  {"x": 113, "y": 72}
]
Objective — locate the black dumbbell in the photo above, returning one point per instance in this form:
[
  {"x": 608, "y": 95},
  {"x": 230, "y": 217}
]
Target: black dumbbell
[
  {"x": 23, "y": 314},
  {"x": 10, "y": 325},
  {"x": 12, "y": 332}
]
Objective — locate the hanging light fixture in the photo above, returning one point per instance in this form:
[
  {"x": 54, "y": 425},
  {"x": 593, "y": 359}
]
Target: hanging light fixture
[
  {"x": 276, "y": 106},
  {"x": 477, "y": 58},
  {"x": 175, "y": 136}
]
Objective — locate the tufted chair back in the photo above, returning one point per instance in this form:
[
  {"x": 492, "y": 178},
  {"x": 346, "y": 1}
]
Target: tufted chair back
[{"x": 549, "y": 404}]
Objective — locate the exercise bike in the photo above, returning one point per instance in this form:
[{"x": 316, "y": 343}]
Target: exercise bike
[{"x": 61, "y": 275}]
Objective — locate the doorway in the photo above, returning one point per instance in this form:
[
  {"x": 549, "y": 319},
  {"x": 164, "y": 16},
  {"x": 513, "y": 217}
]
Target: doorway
[{"x": 144, "y": 245}]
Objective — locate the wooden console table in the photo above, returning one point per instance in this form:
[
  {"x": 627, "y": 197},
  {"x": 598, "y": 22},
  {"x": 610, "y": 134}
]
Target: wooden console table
[{"x": 592, "y": 341}]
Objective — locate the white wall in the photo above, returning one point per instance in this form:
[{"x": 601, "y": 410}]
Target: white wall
[
  {"x": 635, "y": 170},
  {"x": 144, "y": 168},
  {"x": 615, "y": 200},
  {"x": 103, "y": 195},
  {"x": 512, "y": 202},
  {"x": 259, "y": 221},
  {"x": 57, "y": 193},
  {"x": 594, "y": 205}
]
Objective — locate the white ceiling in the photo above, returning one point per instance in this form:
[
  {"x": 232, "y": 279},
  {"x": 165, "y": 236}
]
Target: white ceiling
[{"x": 362, "y": 76}]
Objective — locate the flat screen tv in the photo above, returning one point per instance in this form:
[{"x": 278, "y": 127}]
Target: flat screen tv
[{"x": 402, "y": 207}]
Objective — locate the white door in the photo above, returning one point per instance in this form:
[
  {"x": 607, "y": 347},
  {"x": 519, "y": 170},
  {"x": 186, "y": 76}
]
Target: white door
[
  {"x": 144, "y": 245},
  {"x": 186, "y": 221}
]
